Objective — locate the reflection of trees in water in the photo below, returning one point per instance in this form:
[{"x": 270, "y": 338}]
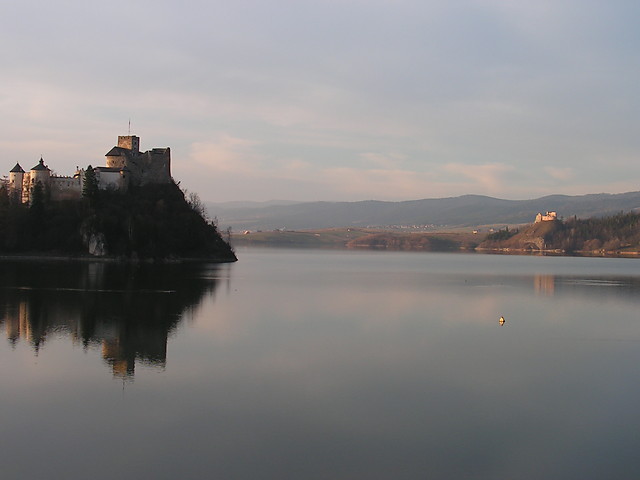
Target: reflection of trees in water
[{"x": 128, "y": 310}]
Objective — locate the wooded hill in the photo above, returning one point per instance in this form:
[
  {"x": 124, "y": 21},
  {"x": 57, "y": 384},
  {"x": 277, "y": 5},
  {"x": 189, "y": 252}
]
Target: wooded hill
[
  {"x": 149, "y": 222},
  {"x": 464, "y": 211},
  {"x": 616, "y": 234}
]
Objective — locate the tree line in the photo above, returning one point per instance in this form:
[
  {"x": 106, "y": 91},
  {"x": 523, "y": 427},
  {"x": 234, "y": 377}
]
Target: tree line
[
  {"x": 151, "y": 221},
  {"x": 610, "y": 233}
]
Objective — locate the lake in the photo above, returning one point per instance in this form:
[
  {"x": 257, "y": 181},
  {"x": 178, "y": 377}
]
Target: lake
[{"x": 300, "y": 364}]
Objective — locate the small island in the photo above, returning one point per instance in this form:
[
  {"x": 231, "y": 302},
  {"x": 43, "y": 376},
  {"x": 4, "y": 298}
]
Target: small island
[{"x": 129, "y": 209}]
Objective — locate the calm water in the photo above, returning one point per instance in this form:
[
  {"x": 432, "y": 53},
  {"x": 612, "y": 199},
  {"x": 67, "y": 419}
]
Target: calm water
[{"x": 322, "y": 365}]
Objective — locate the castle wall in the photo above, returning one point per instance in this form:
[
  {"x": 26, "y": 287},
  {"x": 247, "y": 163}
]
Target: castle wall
[
  {"x": 66, "y": 188},
  {"x": 108, "y": 179},
  {"x": 151, "y": 167},
  {"x": 26, "y": 187},
  {"x": 158, "y": 165},
  {"x": 116, "y": 161}
]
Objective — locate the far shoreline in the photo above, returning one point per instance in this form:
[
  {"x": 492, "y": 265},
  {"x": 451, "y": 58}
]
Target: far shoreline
[
  {"x": 355, "y": 239},
  {"x": 477, "y": 251}
]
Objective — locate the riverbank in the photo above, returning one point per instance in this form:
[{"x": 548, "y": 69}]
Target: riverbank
[
  {"x": 360, "y": 238},
  {"x": 529, "y": 241},
  {"x": 560, "y": 253}
]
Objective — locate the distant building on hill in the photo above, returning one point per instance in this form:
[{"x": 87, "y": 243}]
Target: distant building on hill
[
  {"x": 548, "y": 217},
  {"x": 126, "y": 167}
]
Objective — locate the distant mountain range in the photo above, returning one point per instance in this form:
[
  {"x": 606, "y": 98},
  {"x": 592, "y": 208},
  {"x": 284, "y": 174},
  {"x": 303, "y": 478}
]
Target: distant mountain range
[{"x": 464, "y": 211}]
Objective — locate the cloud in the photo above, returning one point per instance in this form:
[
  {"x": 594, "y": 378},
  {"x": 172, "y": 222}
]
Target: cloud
[
  {"x": 384, "y": 184},
  {"x": 488, "y": 178},
  {"x": 559, "y": 173},
  {"x": 227, "y": 154},
  {"x": 389, "y": 161}
]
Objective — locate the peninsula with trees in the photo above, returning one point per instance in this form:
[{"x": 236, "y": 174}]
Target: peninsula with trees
[
  {"x": 131, "y": 208},
  {"x": 617, "y": 235}
]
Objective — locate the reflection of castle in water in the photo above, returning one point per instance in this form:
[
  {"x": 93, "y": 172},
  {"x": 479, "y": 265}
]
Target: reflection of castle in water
[
  {"x": 545, "y": 284},
  {"x": 128, "y": 312}
]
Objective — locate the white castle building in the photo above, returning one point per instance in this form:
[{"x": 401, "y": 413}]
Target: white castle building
[
  {"x": 548, "y": 217},
  {"x": 125, "y": 167}
]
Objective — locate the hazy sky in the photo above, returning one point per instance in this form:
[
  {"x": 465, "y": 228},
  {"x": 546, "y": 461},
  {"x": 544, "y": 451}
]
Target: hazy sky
[{"x": 331, "y": 99}]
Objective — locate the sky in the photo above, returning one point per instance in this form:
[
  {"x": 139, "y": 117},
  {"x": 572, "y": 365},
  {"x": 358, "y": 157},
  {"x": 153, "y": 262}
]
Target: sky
[{"x": 334, "y": 100}]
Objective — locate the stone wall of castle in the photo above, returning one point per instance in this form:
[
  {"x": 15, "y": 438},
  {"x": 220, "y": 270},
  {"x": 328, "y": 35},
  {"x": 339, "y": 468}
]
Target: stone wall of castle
[
  {"x": 66, "y": 188},
  {"x": 153, "y": 166},
  {"x": 58, "y": 188},
  {"x": 111, "y": 178}
]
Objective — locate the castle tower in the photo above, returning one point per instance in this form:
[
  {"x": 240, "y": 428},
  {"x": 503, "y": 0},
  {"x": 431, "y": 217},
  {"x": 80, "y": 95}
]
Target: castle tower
[
  {"x": 130, "y": 142},
  {"x": 127, "y": 149},
  {"x": 16, "y": 179},
  {"x": 139, "y": 168},
  {"x": 40, "y": 173}
]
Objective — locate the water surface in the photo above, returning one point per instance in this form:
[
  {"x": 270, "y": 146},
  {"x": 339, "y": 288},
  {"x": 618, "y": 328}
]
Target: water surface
[{"x": 322, "y": 365}]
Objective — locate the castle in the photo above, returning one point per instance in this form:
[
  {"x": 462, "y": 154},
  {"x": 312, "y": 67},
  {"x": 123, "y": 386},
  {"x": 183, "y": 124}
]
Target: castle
[
  {"x": 548, "y": 217},
  {"x": 125, "y": 167}
]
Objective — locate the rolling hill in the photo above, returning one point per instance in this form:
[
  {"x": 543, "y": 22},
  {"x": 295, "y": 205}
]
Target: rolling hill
[{"x": 463, "y": 211}]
